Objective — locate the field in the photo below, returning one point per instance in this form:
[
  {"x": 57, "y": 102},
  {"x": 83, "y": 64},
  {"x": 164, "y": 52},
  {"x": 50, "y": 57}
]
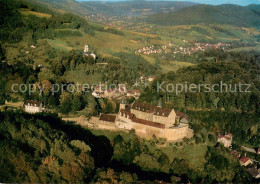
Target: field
[
  {"x": 170, "y": 66},
  {"x": 38, "y": 14},
  {"x": 257, "y": 48},
  {"x": 59, "y": 44},
  {"x": 80, "y": 77}
]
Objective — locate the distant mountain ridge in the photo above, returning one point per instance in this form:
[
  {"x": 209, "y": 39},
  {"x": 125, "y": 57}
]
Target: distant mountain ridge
[
  {"x": 71, "y": 6},
  {"x": 248, "y": 16},
  {"x": 133, "y": 8},
  {"x": 124, "y": 8}
]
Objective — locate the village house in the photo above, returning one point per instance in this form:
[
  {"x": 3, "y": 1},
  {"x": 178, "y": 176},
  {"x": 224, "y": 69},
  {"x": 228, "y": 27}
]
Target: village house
[
  {"x": 226, "y": 139},
  {"x": 32, "y": 107},
  {"x": 244, "y": 161},
  {"x": 133, "y": 93},
  {"x": 254, "y": 172},
  {"x": 258, "y": 151}
]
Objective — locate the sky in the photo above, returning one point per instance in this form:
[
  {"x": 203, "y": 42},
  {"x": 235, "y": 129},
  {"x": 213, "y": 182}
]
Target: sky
[{"x": 213, "y": 2}]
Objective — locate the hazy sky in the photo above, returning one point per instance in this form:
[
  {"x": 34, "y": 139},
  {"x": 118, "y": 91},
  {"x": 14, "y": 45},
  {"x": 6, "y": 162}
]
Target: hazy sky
[{"x": 214, "y": 2}]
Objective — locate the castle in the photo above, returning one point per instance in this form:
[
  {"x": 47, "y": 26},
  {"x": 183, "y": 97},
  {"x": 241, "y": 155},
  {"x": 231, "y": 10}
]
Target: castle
[{"x": 148, "y": 120}]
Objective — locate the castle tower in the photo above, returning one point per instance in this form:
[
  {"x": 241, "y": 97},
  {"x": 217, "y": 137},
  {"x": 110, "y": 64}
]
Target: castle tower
[
  {"x": 159, "y": 104},
  {"x": 122, "y": 104},
  {"x": 86, "y": 48},
  {"x": 177, "y": 121}
]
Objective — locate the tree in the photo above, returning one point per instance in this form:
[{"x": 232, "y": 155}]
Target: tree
[
  {"x": 76, "y": 103},
  {"x": 2, "y": 53},
  {"x": 65, "y": 102}
]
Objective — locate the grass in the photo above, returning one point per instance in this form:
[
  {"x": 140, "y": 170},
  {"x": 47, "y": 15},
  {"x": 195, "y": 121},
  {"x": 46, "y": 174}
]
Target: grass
[
  {"x": 194, "y": 154},
  {"x": 38, "y": 14},
  {"x": 170, "y": 66},
  {"x": 256, "y": 48},
  {"x": 59, "y": 44},
  {"x": 174, "y": 66},
  {"x": 81, "y": 77}
]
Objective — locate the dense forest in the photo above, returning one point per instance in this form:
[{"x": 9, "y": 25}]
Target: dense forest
[
  {"x": 64, "y": 152},
  {"x": 207, "y": 14}
]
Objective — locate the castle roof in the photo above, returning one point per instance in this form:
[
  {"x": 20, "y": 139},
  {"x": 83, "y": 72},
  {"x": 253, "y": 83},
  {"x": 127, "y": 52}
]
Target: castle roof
[
  {"x": 127, "y": 113},
  {"x": 149, "y": 123},
  {"x": 107, "y": 117},
  {"x": 151, "y": 109},
  {"x": 181, "y": 115}
]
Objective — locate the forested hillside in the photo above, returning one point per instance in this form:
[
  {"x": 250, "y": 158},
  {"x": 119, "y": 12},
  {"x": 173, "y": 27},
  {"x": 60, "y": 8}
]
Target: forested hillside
[
  {"x": 248, "y": 16},
  {"x": 133, "y": 8},
  {"x": 63, "y": 152}
]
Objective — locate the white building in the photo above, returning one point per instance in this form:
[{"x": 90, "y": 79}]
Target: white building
[
  {"x": 32, "y": 106},
  {"x": 226, "y": 139},
  {"x": 87, "y": 53},
  {"x": 133, "y": 93}
]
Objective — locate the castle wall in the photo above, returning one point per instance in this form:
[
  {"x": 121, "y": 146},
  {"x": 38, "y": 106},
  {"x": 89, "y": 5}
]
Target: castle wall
[{"x": 172, "y": 134}]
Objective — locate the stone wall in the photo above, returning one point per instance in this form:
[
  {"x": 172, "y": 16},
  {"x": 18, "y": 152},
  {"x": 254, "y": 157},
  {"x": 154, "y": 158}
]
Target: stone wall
[{"x": 170, "y": 134}]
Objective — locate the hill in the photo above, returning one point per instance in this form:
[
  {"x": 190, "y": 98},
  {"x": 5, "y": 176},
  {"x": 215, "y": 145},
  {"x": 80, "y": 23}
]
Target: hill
[
  {"x": 248, "y": 16},
  {"x": 125, "y": 8},
  {"x": 133, "y": 8},
  {"x": 63, "y": 5}
]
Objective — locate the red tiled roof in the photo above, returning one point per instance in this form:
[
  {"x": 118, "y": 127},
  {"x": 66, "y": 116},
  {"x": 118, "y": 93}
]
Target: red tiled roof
[
  {"x": 230, "y": 134},
  {"x": 152, "y": 109},
  {"x": 227, "y": 137},
  {"x": 126, "y": 113},
  {"x": 181, "y": 115},
  {"x": 149, "y": 123},
  {"x": 107, "y": 117},
  {"x": 220, "y": 136},
  {"x": 244, "y": 159}
]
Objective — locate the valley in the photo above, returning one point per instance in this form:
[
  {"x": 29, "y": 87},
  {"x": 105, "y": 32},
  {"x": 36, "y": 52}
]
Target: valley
[{"x": 129, "y": 92}]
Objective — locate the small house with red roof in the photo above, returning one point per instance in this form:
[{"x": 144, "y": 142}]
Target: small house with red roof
[{"x": 244, "y": 161}]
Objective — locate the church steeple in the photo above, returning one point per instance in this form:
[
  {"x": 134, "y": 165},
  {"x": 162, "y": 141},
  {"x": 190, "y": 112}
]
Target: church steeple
[{"x": 86, "y": 48}]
